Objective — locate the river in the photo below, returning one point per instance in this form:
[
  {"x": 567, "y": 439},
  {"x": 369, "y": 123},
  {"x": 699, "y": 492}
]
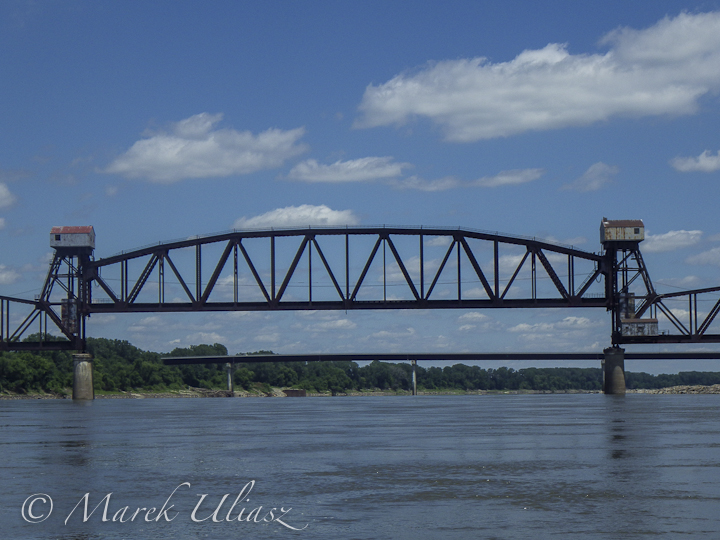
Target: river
[{"x": 580, "y": 467}]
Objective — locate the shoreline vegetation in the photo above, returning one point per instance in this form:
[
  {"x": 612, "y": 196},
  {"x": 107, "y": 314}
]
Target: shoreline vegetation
[
  {"x": 121, "y": 370},
  {"x": 278, "y": 393}
]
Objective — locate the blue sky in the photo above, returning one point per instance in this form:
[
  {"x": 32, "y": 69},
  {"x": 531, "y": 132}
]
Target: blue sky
[{"x": 156, "y": 121}]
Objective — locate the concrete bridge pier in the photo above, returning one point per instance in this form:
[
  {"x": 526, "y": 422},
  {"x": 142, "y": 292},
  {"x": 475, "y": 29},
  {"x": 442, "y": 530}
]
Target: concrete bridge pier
[
  {"x": 414, "y": 377},
  {"x": 229, "y": 367},
  {"x": 83, "y": 377},
  {"x": 614, "y": 371}
]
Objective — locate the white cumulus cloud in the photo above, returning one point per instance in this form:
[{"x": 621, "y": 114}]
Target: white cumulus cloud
[
  {"x": 598, "y": 175},
  {"x": 711, "y": 256},
  {"x": 6, "y": 197},
  {"x": 298, "y": 216},
  {"x": 705, "y": 162},
  {"x": 193, "y": 148},
  {"x": 671, "y": 240},
  {"x": 354, "y": 170},
  {"x": 661, "y": 70}
]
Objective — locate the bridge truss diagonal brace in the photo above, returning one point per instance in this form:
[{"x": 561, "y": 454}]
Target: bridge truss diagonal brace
[
  {"x": 478, "y": 271},
  {"x": 328, "y": 269},
  {"x": 293, "y": 267},
  {"x": 218, "y": 270},
  {"x": 551, "y": 272}
]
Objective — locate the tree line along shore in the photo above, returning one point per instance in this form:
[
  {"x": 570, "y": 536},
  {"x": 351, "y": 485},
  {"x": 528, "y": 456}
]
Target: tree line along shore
[{"x": 120, "y": 367}]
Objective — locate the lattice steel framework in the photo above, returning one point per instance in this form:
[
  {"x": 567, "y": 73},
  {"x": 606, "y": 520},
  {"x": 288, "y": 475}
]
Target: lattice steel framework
[
  {"x": 59, "y": 306},
  {"x": 633, "y": 296},
  {"x": 544, "y": 283},
  {"x": 342, "y": 269}
]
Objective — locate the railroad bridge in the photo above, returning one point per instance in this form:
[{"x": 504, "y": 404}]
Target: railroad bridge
[{"x": 351, "y": 268}]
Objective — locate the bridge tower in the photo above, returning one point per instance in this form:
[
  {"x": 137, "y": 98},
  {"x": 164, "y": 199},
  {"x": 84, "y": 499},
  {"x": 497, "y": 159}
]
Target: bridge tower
[
  {"x": 627, "y": 282},
  {"x": 74, "y": 248}
]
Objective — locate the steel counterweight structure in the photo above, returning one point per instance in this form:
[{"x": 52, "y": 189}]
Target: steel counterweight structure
[{"x": 348, "y": 269}]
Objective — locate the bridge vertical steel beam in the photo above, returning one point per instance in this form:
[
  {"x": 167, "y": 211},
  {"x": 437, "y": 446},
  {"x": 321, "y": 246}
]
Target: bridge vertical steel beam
[{"x": 611, "y": 292}]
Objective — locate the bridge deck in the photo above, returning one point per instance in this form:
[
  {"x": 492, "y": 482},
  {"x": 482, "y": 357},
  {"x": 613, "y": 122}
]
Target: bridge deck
[{"x": 450, "y": 357}]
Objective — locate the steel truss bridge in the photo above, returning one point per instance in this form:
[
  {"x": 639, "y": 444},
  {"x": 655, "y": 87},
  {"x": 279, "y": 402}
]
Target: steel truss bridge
[{"x": 351, "y": 268}]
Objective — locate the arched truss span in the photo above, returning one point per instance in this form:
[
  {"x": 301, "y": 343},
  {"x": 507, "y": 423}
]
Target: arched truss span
[
  {"x": 354, "y": 268},
  {"x": 343, "y": 269}
]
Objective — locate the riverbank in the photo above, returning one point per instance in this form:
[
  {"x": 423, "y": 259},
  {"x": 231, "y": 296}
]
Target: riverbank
[
  {"x": 714, "y": 389},
  {"x": 278, "y": 392}
]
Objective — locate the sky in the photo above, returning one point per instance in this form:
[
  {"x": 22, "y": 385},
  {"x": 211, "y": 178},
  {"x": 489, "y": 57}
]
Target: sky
[{"x": 154, "y": 121}]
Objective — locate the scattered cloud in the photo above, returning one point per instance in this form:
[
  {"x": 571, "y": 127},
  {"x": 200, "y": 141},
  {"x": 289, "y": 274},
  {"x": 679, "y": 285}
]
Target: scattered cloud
[
  {"x": 567, "y": 324},
  {"x": 671, "y": 240},
  {"x": 2, "y": 223},
  {"x": 598, "y": 175},
  {"x": 273, "y": 337},
  {"x": 576, "y": 323},
  {"x": 205, "y": 337},
  {"x": 415, "y": 182},
  {"x": 394, "y": 334},
  {"x": 6, "y": 198},
  {"x": 473, "y": 316},
  {"x": 712, "y": 257},
  {"x": 194, "y": 148},
  {"x": 509, "y": 178},
  {"x": 503, "y": 178},
  {"x": 8, "y": 276},
  {"x": 339, "y": 324},
  {"x": 705, "y": 162},
  {"x": 532, "y": 328},
  {"x": 354, "y": 170},
  {"x": 298, "y": 216},
  {"x": 661, "y": 70}
]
